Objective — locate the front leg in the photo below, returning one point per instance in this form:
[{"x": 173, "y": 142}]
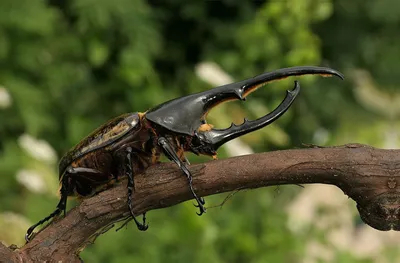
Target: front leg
[{"x": 171, "y": 154}]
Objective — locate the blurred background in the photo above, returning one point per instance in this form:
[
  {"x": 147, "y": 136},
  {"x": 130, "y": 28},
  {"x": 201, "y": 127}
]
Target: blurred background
[{"x": 66, "y": 67}]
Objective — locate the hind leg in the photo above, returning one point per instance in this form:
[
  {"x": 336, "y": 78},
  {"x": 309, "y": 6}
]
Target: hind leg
[
  {"x": 62, "y": 204},
  {"x": 66, "y": 188}
]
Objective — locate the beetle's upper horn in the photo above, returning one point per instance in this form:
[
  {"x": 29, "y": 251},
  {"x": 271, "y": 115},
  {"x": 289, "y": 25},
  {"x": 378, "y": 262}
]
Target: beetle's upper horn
[
  {"x": 239, "y": 90},
  {"x": 186, "y": 114}
]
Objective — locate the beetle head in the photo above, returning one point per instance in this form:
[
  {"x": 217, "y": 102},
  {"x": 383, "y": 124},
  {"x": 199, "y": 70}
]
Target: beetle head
[{"x": 186, "y": 115}]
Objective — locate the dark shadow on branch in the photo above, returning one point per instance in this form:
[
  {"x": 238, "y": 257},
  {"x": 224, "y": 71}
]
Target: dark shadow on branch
[{"x": 366, "y": 174}]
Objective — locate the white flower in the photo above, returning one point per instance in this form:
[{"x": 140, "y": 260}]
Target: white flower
[
  {"x": 38, "y": 149},
  {"x": 31, "y": 180},
  {"x": 212, "y": 73},
  {"x": 5, "y": 98}
]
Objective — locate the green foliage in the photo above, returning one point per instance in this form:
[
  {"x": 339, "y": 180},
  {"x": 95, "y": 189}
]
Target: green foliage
[{"x": 69, "y": 66}]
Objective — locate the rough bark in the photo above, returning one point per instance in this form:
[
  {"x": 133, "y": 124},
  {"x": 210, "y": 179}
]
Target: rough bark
[{"x": 368, "y": 175}]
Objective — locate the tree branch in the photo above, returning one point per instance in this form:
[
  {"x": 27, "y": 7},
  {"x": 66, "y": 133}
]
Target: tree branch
[{"x": 366, "y": 174}]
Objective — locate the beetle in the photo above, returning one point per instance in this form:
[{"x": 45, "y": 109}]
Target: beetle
[{"x": 132, "y": 142}]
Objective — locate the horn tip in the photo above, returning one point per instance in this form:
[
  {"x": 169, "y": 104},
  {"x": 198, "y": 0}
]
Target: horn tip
[
  {"x": 295, "y": 90},
  {"x": 332, "y": 73}
]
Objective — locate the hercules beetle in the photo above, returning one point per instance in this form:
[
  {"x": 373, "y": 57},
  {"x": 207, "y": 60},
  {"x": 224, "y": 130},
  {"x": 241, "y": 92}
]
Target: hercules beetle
[{"x": 130, "y": 143}]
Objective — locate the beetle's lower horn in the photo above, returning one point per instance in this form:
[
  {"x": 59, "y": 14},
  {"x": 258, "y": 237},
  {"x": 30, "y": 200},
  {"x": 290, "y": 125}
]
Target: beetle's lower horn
[{"x": 218, "y": 137}]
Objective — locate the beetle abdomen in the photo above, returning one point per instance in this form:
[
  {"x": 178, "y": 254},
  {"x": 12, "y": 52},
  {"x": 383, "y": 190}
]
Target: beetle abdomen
[
  {"x": 101, "y": 137},
  {"x": 86, "y": 183},
  {"x": 99, "y": 162}
]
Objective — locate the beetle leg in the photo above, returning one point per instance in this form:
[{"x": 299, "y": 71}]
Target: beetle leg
[
  {"x": 186, "y": 160},
  {"x": 70, "y": 172},
  {"x": 131, "y": 186},
  {"x": 171, "y": 154},
  {"x": 62, "y": 204}
]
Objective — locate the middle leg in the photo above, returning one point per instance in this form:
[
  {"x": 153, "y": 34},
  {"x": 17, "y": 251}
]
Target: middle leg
[{"x": 131, "y": 187}]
